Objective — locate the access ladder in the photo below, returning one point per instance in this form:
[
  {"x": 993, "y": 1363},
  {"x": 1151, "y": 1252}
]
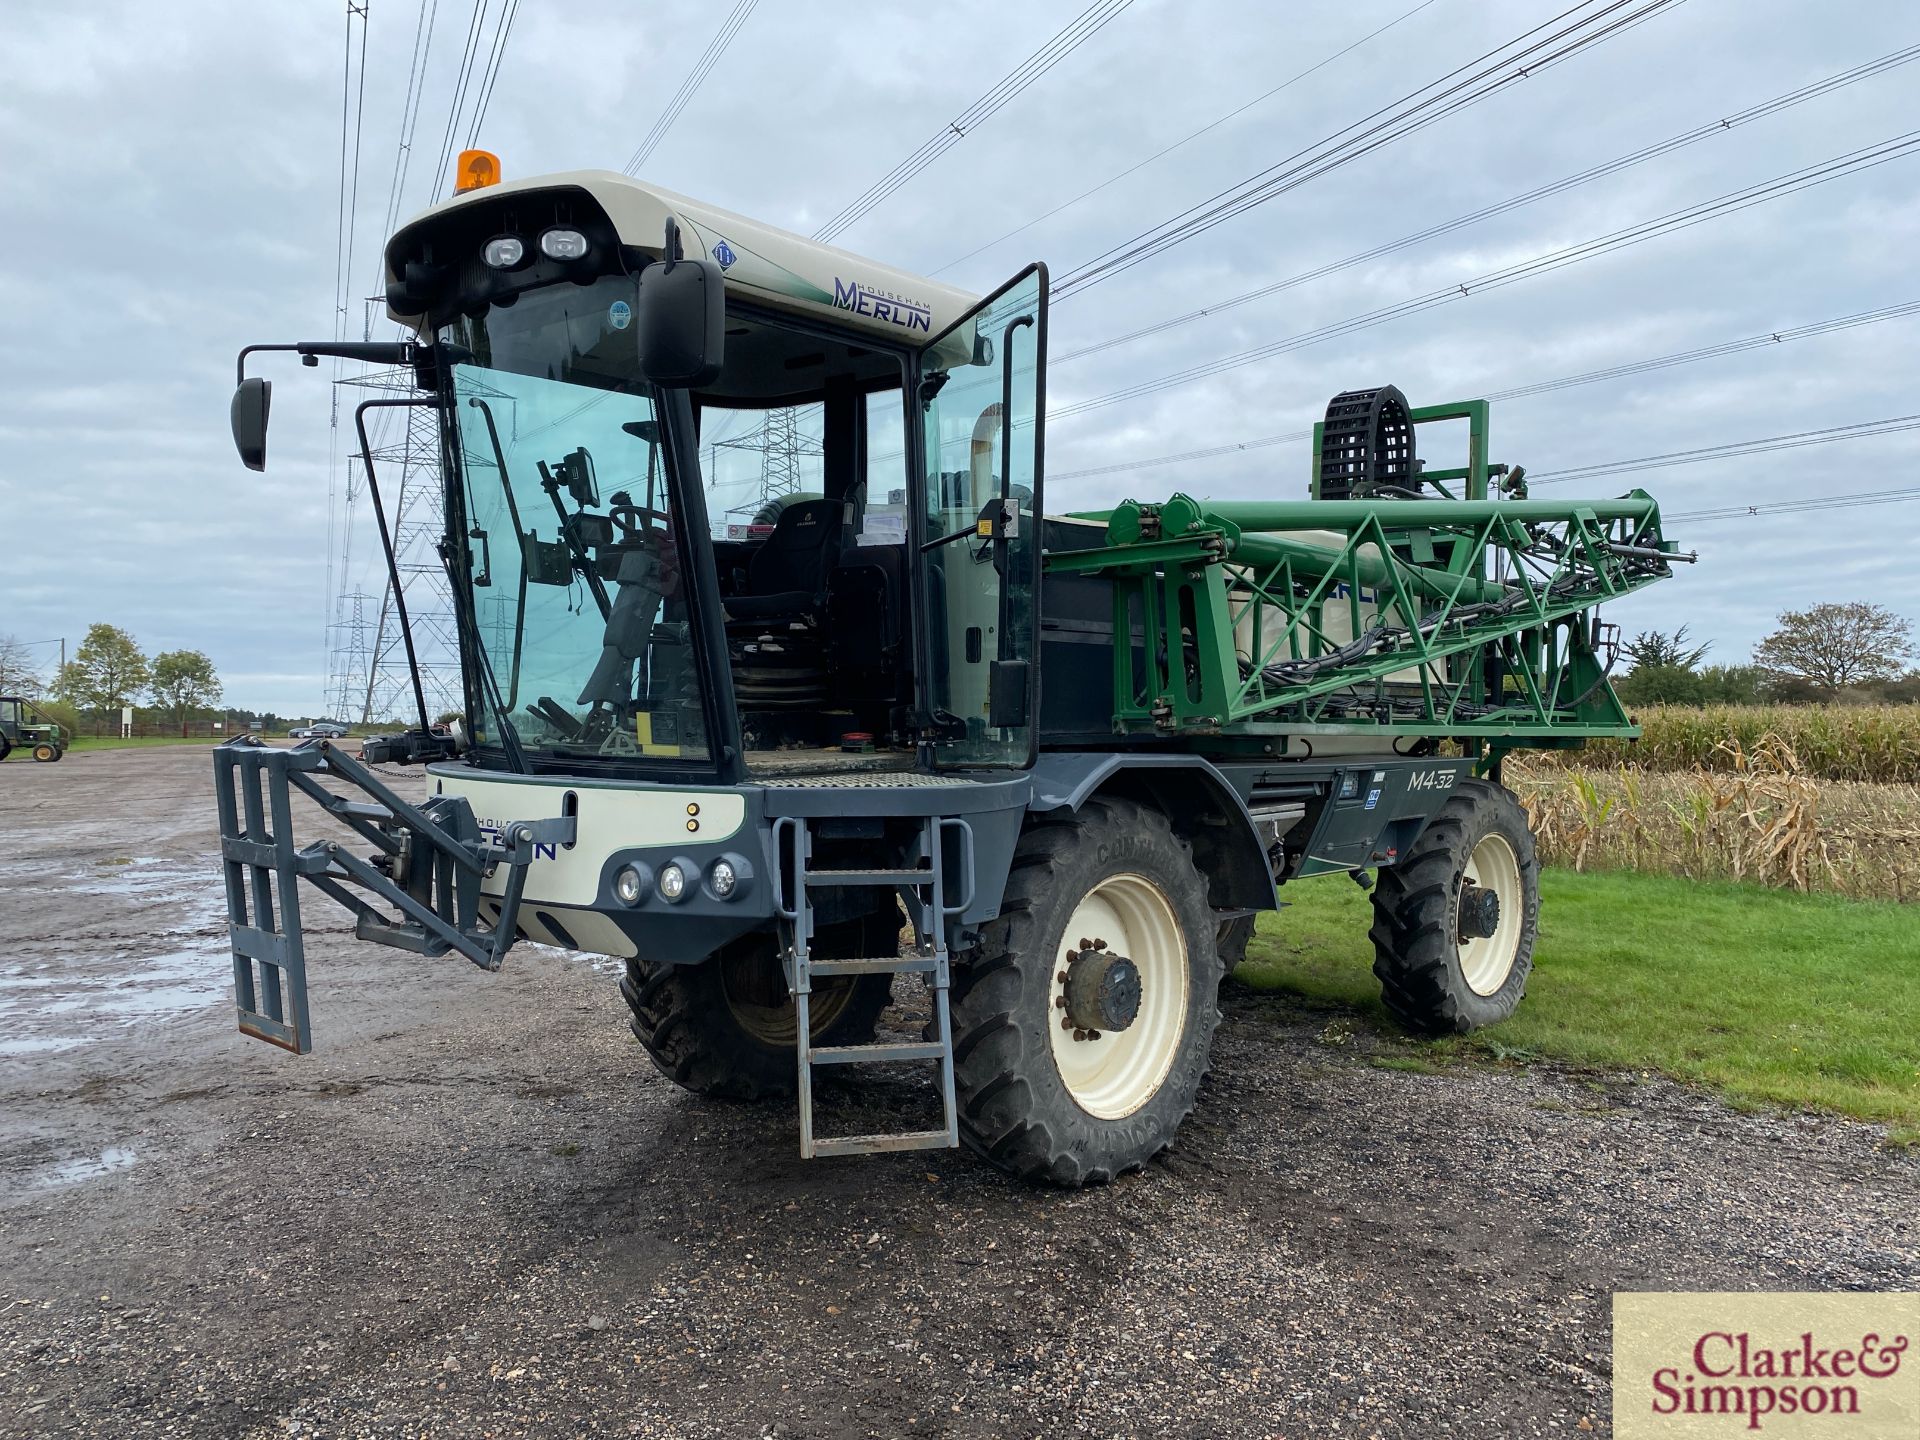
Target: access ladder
[{"x": 922, "y": 886}]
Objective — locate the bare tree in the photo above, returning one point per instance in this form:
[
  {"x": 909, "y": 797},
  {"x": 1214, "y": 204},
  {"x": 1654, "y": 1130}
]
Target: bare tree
[
  {"x": 20, "y": 673},
  {"x": 1833, "y": 646}
]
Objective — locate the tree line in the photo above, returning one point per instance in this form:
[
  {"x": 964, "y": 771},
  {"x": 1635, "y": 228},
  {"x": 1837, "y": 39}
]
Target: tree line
[
  {"x": 1847, "y": 652},
  {"x": 110, "y": 671}
]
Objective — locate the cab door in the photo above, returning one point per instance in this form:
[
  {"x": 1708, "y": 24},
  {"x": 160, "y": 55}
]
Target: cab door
[{"x": 982, "y": 400}]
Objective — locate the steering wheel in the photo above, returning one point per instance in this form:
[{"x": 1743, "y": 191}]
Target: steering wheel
[{"x": 630, "y": 517}]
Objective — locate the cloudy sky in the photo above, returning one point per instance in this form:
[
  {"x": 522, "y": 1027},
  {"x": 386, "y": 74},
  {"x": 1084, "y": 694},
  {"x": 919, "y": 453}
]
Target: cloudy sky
[{"x": 171, "y": 192}]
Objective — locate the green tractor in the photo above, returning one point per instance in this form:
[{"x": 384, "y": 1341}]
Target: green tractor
[{"x": 23, "y": 725}]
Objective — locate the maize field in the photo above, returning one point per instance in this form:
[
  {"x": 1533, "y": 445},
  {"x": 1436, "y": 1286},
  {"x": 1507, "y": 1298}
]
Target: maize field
[
  {"x": 1753, "y": 813},
  {"x": 1877, "y": 744}
]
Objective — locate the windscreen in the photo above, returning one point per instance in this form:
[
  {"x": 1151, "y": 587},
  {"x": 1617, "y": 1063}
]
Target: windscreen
[{"x": 573, "y": 547}]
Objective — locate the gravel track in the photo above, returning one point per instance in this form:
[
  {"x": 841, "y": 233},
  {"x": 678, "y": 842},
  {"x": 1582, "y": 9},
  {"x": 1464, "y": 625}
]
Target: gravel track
[{"x": 476, "y": 1210}]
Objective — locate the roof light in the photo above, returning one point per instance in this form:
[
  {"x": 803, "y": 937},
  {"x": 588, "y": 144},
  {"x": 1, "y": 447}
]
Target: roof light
[
  {"x": 505, "y": 252},
  {"x": 475, "y": 170},
  {"x": 563, "y": 245}
]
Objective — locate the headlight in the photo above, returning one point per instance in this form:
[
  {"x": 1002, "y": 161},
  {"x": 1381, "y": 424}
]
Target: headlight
[
  {"x": 563, "y": 245},
  {"x": 673, "y": 883},
  {"x": 722, "y": 878},
  {"x": 505, "y": 252},
  {"x": 629, "y": 885}
]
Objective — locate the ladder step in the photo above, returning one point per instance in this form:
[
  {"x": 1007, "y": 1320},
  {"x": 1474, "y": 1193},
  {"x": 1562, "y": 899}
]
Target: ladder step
[
  {"x": 875, "y": 1054},
  {"x": 880, "y": 965},
  {"x": 828, "y": 878},
  {"x": 871, "y": 1144}
]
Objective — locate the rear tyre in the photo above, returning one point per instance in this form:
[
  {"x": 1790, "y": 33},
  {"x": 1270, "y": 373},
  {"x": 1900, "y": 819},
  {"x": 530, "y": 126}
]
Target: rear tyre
[
  {"x": 1454, "y": 922},
  {"x": 6, "y": 747},
  {"x": 726, "y": 1027},
  {"x": 1042, "y": 1095},
  {"x": 1231, "y": 937}
]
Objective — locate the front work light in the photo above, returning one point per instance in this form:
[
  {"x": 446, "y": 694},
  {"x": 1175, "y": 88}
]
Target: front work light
[
  {"x": 629, "y": 884},
  {"x": 563, "y": 245},
  {"x": 673, "y": 883},
  {"x": 504, "y": 252},
  {"x": 722, "y": 878}
]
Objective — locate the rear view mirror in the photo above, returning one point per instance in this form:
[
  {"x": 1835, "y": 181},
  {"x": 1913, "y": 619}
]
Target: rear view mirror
[
  {"x": 682, "y": 323},
  {"x": 250, "y": 403}
]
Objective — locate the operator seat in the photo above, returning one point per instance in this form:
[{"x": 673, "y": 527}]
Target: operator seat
[
  {"x": 774, "y": 626},
  {"x": 787, "y": 576}
]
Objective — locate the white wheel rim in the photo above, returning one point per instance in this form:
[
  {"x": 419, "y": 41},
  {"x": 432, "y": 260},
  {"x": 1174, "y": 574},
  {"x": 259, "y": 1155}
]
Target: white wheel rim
[
  {"x": 1487, "y": 960},
  {"x": 1115, "y": 1075}
]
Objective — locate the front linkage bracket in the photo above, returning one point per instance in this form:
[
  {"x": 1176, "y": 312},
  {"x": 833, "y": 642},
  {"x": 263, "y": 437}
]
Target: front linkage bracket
[{"x": 427, "y": 863}]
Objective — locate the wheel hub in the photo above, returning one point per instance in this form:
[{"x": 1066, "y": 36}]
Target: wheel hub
[
  {"x": 1101, "y": 991},
  {"x": 1479, "y": 911}
]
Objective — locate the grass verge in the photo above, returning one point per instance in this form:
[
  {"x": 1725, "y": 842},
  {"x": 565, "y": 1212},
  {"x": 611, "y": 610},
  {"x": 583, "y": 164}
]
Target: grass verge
[{"x": 1766, "y": 996}]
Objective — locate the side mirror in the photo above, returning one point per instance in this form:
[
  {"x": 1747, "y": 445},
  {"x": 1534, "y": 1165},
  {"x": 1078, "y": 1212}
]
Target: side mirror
[
  {"x": 682, "y": 323},
  {"x": 250, "y": 403}
]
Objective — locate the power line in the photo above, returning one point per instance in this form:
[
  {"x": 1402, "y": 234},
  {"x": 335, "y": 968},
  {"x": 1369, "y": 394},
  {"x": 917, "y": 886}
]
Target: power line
[
  {"x": 702, "y": 67},
  {"x": 1719, "y": 126},
  {"x": 1853, "y": 162},
  {"x": 468, "y": 54},
  {"x": 1403, "y": 117},
  {"x": 1080, "y": 29},
  {"x": 502, "y": 32},
  {"x": 1733, "y": 449},
  {"x": 1542, "y": 387},
  {"x": 1801, "y": 506},
  {"x": 410, "y": 110},
  {"x": 1185, "y": 140}
]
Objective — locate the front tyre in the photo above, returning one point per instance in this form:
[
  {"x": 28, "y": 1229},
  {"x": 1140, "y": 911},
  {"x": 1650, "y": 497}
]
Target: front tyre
[
  {"x": 46, "y": 753},
  {"x": 727, "y": 1026},
  {"x": 1083, "y": 1019},
  {"x": 1455, "y": 920}
]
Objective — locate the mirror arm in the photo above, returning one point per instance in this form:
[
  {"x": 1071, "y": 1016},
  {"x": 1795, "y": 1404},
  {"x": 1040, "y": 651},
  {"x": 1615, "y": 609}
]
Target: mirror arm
[{"x": 376, "y": 352}]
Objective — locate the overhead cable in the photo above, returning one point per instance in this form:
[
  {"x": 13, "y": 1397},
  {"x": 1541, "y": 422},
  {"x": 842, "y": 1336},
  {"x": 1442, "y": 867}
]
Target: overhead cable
[
  {"x": 1719, "y": 126},
  {"x": 1519, "y": 59},
  {"x": 1851, "y": 163},
  {"x": 1187, "y": 139},
  {"x": 1542, "y": 387},
  {"x": 1077, "y": 32},
  {"x": 1732, "y": 450},
  {"x": 702, "y": 67}
]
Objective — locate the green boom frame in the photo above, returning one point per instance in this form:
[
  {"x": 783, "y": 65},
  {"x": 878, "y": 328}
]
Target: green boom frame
[{"x": 1468, "y": 618}]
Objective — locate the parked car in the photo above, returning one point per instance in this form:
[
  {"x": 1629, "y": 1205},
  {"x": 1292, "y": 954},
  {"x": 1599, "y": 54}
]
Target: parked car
[{"x": 319, "y": 730}]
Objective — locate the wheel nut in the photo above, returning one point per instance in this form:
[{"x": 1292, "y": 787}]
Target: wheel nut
[
  {"x": 1060, "y": 1002},
  {"x": 1099, "y": 944},
  {"x": 1066, "y": 1022}
]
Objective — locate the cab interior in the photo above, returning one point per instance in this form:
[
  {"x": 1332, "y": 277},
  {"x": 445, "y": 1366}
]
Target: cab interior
[{"x": 804, "y": 464}]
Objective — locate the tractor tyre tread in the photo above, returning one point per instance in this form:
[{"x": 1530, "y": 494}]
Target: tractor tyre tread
[
  {"x": 1416, "y": 953},
  {"x": 1013, "y": 1107}
]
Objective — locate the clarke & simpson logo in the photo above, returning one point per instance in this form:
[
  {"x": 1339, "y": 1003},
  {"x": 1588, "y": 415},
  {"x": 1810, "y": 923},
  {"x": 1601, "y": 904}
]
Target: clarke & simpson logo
[{"x": 1777, "y": 1364}]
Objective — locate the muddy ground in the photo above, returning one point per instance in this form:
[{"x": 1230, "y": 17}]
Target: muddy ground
[{"x": 475, "y": 1210}]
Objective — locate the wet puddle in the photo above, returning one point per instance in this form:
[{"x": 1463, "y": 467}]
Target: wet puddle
[
  {"x": 57, "y": 1004},
  {"x": 87, "y": 1167}
]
